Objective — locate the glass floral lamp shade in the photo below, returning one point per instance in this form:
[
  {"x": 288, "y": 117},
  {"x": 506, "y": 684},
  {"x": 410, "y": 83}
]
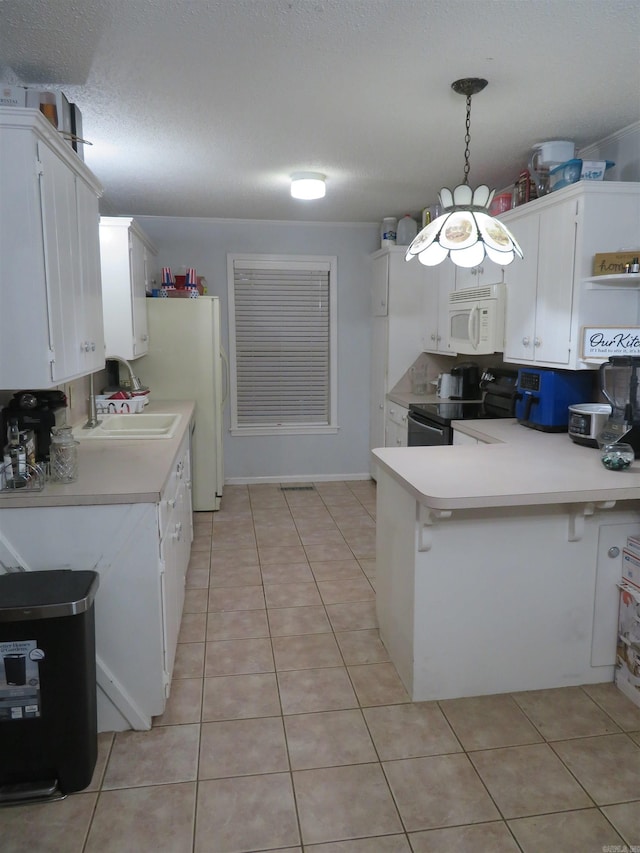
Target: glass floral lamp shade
[{"x": 465, "y": 232}]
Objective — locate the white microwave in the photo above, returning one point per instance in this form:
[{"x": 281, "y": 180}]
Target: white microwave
[{"x": 476, "y": 319}]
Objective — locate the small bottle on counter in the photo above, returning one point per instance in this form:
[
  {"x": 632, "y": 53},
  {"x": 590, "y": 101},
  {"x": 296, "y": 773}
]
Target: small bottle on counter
[
  {"x": 635, "y": 266},
  {"x": 15, "y": 458}
]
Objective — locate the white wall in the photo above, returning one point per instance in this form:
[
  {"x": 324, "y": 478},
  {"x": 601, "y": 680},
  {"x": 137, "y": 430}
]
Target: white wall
[{"x": 204, "y": 244}]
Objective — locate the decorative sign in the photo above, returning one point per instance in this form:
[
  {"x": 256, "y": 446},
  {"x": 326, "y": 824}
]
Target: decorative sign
[{"x": 602, "y": 342}]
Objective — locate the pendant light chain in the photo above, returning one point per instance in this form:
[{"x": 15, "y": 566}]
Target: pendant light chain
[{"x": 467, "y": 140}]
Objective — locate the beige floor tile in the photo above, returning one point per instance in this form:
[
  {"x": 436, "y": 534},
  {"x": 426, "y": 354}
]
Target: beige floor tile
[
  {"x": 199, "y": 560},
  {"x": 197, "y": 578},
  {"x": 484, "y": 722},
  {"x": 201, "y": 542},
  {"x": 236, "y": 624},
  {"x": 481, "y": 837},
  {"x": 353, "y": 616},
  {"x": 344, "y": 802},
  {"x": 193, "y": 628},
  {"x": 320, "y": 553},
  {"x": 224, "y": 537},
  {"x": 330, "y": 570},
  {"x": 189, "y": 661},
  {"x": 308, "y": 690},
  {"x": 584, "y": 831},
  {"x": 236, "y": 598},
  {"x": 282, "y": 555},
  {"x": 635, "y": 736},
  {"x": 328, "y": 739},
  {"x": 380, "y": 844},
  {"x": 347, "y": 590},
  {"x": 105, "y": 742},
  {"x": 59, "y": 827},
  {"x": 607, "y": 767},
  {"x": 237, "y": 657},
  {"x": 158, "y": 818},
  {"x": 235, "y": 576},
  {"x": 528, "y": 780},
  {"x": 618, "y": 706},
  {"x": 362, "y": 647},
  {"x": 564, "y": 713},
  {"x": 288, "y": 621},
  {"x": 246, "y": 813},
  {"x": 377, "y": 684},
  {"x": 195, "y": 600},
  {"x": 410, "y": 730},
  {"x": 311, "y": 521},
  {"x": 162, "y": 755},
  {"x": 438, "y": 791},
  {"x": 287, "y": 573},
  {"x": 272, "y": 537},
  {"x": 626, "y": 819},
  {"x": 236, "y": 558},
  {"x": 233, "y": 697},
  {"x": 322, "y": 536},
  {"x": 242, "y": 748},
  {"x": 307, "y": 651},
  {"x": 184, "y": 703},
  {"x": 291, "y": 594},
  {"x": 368, "y": 566}
]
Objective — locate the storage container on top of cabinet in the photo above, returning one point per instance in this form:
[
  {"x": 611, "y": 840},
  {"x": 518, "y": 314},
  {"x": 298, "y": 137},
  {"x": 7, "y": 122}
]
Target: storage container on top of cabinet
[
  {"x": 51, "y": 327},
  {"x": 128, "y": 259},
  {"x": 551, "y": 293}
]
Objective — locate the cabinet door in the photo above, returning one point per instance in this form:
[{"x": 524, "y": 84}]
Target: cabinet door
[
  {"x": 556, "y": 252},
  {"x": 62, "y": 271},
  {"x": 446, "y": 284},
  {"x": 380, "y": 286},
  {"x": 485, "y": 273},
  {"x": 521, "y": 278},
  {"x": 138, "y": 278},
  {"x": 431, "y": 309},
  {"x": 90, "y": 330},
  {"x": 378, "y": 382}
]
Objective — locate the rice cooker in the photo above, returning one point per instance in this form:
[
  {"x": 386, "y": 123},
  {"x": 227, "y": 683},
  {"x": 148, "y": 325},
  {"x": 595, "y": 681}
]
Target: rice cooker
[{"x": 586, "y": 421}]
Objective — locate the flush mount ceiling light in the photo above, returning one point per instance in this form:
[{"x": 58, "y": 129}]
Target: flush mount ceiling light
[
  {"x": 465, "y": 232},
  {"x": 308, "y": 185}
]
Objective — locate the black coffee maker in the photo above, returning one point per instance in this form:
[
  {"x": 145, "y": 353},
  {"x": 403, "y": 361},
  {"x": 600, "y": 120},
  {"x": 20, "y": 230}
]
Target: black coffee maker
[
  {"x": 468, "y": 373},
  {"x": 39, "y": 411}
]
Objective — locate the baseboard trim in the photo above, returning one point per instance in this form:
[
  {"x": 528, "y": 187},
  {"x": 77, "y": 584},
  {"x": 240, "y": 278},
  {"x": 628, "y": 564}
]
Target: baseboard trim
[{"x": 307, "y": 478}]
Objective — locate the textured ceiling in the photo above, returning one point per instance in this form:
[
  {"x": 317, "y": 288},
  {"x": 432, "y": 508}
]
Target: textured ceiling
[{"x": 204, "y": 107}]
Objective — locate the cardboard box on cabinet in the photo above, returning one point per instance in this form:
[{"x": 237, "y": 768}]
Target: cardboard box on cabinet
[{"x": 627, "y": 675}]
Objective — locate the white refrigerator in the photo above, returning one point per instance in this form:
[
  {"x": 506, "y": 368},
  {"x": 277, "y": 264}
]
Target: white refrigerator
[{"x": 186, "y": 362}]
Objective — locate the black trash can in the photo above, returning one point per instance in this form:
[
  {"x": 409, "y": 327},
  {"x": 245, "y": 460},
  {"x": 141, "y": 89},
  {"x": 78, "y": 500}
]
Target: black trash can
[{"x": 48, "y": 718}]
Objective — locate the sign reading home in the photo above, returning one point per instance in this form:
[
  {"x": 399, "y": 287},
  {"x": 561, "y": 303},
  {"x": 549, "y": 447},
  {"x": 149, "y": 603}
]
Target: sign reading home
[{"x": 603, "y": 342}]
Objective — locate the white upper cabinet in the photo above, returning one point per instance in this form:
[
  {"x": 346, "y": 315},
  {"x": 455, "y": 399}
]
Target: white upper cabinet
[
  {"x": 50, "y": 294},
  {"x": 439, "y": 282},
  {"x": 551, "y": 294},
  {"x": 128, "y": 259},
  {"x": 485, "y": 273}
]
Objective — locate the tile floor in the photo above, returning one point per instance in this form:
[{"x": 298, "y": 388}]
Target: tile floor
[{"x": 288, "y": 728}]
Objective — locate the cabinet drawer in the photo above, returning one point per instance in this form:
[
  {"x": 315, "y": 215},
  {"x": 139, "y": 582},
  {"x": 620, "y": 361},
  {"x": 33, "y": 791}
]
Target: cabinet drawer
[
  {"x": 398, "y": 414},
  {"x": 179, "y": 474}
]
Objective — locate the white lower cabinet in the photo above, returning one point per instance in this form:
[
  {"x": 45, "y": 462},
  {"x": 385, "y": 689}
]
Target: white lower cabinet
[
  {"x": 396, "y": 425},
  {"x": 141, "y": 552}
]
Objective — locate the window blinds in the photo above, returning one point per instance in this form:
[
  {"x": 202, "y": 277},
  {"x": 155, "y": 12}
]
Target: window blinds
[{"x": 282, "y": 343}]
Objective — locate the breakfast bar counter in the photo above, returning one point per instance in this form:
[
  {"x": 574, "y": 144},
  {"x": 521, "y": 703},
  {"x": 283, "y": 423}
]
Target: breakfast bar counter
[{"x": 497, "y": 563}]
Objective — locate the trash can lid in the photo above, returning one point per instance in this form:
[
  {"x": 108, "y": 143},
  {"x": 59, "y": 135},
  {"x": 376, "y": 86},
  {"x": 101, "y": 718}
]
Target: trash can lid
[{"x": 46, "y": 594}]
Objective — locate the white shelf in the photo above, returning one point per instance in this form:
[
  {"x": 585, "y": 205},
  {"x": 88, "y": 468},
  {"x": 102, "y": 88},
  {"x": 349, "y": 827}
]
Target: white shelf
[{"x": 622, "y": 281}]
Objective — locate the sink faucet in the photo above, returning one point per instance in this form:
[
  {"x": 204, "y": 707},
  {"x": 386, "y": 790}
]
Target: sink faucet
[
  {"x": 92, "y": 420},
  {"x": 135, "y": 383}
]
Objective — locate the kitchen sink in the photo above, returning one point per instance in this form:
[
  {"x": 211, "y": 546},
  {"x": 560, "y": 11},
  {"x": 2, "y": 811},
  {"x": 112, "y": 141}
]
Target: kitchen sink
[{"x": 145, "y": 425}]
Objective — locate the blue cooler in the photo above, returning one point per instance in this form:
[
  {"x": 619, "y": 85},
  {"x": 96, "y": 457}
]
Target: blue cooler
[{"x": 544, "y": 396}]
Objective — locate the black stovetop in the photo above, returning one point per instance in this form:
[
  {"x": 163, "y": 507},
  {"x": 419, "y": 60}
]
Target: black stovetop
[{"x": 455, "y": 410}]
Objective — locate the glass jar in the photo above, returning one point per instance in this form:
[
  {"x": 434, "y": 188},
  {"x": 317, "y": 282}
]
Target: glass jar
[
  {"x": 617, "y": 457},
  {"x": 63, "y": 455}
]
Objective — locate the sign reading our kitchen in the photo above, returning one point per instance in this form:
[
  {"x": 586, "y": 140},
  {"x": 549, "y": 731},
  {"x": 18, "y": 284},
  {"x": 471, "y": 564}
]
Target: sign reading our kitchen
[{"x": 602, "y": 342}]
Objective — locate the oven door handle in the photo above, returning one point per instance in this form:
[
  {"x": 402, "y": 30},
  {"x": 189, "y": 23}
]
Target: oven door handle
[{"x": 425, "y": 426}]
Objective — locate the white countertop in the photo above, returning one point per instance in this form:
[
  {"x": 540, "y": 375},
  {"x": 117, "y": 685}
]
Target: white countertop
[
  {"x": 114, "y": 471},
  {"x": 517, "y": 466}
]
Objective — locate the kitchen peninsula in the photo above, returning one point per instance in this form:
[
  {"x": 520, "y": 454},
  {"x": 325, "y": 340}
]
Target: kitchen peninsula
[
  {"x": 127, "y": 517},
  {"x": 496, "y": 562}
]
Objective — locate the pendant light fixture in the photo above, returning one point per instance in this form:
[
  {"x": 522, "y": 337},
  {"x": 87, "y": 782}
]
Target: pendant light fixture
[{"x": 465, "y": 232}]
